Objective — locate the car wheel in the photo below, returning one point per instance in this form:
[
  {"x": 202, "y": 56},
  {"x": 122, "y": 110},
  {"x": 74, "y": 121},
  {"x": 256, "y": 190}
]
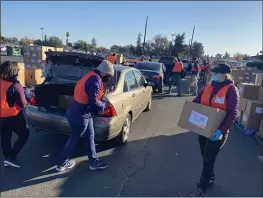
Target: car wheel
[
  {"x": 160, "y": 88},
  {"x": 149, "y": 106},
  {"x": 122, "y": 138}
]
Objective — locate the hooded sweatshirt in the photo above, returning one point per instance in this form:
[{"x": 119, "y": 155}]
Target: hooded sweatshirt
[{"x": 232, "y": 98}]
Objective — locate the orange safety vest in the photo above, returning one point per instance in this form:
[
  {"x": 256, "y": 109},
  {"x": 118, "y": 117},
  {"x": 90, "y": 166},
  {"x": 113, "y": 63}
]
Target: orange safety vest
[
  {"x": 178, "y": 67},
  {"x": 194, "y": 69},
  {"x": 5, "y": 110},
  {"x": 80, "y": 94},
  {"x": 218, "y": 101},
  {"x": 112, "y": 59}
]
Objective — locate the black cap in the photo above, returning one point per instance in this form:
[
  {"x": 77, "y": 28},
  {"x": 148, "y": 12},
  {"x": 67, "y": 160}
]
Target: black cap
[{"x": 222, "y": 69}]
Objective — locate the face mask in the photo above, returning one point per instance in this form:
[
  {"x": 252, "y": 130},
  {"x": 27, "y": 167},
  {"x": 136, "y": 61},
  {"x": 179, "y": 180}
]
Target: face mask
[
  {"x": 106, "y": 78},
  {"x": 217, "y": 78}
]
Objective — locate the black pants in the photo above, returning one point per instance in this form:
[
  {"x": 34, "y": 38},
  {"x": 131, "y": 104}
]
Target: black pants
[
  {"x": 16, "y": 124},
  {"x": 209, "y": 150}
]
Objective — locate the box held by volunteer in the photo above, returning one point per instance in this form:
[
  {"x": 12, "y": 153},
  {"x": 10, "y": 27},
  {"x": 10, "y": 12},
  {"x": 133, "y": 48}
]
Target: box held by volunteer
[
  {"x": 248, "y": 90},
  {"x": 201, "y": 119},
  {"x": 254, "y": 107}
]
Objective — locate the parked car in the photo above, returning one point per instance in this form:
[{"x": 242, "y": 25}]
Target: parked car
[
  {"x": 127, "y": 96},
  {"x": 153, "y": 72}
]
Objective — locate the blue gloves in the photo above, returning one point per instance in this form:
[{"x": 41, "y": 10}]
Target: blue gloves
[
  {"x": 102, "y": 108},
  {"x": 217, "y": 135}
]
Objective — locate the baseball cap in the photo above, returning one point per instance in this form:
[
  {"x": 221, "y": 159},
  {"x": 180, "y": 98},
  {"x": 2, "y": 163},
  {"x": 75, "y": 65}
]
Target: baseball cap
[{"x": 222, "y": 69}]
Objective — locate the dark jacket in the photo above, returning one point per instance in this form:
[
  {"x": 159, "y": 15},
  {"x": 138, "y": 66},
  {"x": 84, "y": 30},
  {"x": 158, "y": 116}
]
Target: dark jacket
[
  {"x": 232, "y": 98},
  {"x": 92, "y": 88}
]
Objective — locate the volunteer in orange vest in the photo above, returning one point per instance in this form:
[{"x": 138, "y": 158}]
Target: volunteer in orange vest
[
  {"x": 194, "y": 77},
  {"x": 220, "y": 93},
  {"x": 112, "y": 58},
  {"x": 13, "y": 101},
  {"x": 176, "y": 76},
  {"x": 87, "y": 103}
]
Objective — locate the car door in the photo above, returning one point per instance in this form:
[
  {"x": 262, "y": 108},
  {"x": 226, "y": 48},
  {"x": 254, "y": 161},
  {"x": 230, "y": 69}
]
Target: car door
[
  {"x": 131, "y": 90},
  {"x": 142, "y": 90}
]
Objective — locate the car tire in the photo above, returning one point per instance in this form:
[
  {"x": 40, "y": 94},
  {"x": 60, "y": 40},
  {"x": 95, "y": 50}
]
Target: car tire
[
  {"x": 123, "y": 136},
  {"x": 149, "y": 106},
  {"x": 160, "y": 88}
]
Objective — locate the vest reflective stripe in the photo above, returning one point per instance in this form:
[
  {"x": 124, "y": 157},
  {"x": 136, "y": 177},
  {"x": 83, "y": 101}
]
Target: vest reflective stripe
[
  {"x": 5, "y": 110},
  {"x": 194, "y": 68},
  {"x": 178, "y": 67},
  {"x": 218, "y": 101},
  {"x": 111, "y": 59},
  {"x": 80, "y": 94}
]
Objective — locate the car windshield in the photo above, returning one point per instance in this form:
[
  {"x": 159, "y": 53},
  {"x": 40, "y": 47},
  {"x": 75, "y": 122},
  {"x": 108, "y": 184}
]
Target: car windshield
[{"x": 148, "y": 66}]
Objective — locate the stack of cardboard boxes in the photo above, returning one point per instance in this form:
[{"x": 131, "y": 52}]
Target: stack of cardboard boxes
[
  {"x": 251, "y": 105},
  {"x": 244, "y": 74},
  {"x": 34, "y": 56}
]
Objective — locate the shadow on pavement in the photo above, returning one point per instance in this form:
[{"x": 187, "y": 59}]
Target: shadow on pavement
[{"x": 156, "y": 166}]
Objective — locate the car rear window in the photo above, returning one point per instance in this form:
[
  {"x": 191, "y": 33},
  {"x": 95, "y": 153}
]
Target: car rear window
[{"x": 148, "y": 66}]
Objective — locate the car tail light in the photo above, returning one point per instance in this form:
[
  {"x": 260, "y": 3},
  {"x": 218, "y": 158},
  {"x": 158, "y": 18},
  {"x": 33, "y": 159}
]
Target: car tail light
[
  {"x": 156, "y": 76},
  {"x": 109, "y": 111},
  {"x": 33, "y": 101}
]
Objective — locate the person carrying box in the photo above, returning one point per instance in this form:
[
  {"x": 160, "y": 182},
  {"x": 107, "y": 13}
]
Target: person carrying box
[{"x": 221, "y": 93}]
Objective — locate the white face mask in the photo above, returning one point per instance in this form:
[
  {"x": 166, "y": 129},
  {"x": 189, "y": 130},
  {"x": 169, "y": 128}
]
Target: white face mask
[{"x": 217, "y": 78}]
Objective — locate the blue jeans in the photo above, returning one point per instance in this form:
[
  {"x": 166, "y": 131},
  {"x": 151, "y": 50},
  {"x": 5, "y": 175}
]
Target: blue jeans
[{"x": 79, "y": 126}]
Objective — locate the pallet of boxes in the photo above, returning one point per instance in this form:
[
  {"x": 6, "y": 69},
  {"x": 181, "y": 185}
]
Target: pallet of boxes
[
  {"x": 34, "y": 57},
  {"x": 251, "y": 105}
]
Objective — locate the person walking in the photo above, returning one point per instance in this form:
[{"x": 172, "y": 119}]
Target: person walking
[
  {"x": 176, "y": 77},
  {"x": 194, "y": 78},
  {"x": 112, "y": 58},
  {"x": 87, "y": 103},
  {"x": 13, "y": 100},
  {"x": 221, "y": 93}
]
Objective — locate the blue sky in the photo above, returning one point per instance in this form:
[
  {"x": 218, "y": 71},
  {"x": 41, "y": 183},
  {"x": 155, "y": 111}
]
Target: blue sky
[{"x": 221, "y": 26}]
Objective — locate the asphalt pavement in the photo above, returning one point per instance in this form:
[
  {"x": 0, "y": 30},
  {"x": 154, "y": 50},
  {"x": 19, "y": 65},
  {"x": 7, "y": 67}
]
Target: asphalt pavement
[{"x": 159, "y": 160}]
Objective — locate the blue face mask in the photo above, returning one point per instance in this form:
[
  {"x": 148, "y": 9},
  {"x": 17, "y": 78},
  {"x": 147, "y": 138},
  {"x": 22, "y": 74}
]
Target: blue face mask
[{"x": 216, "y": 78}]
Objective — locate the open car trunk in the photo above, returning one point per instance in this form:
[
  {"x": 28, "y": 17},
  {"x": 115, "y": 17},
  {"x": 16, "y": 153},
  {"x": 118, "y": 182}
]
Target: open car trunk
[{"x": 54, "y": 97}]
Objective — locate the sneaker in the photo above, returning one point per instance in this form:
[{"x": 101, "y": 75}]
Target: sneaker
[
  {"x": 12, "y": 162},
  {"x": 6, "y": 165},
  {"x": 68, "y": 164},
  {"x": 198, "y": 193},
  {"x": 98, "y": 164},
  {"x": 211, "y": 182}
]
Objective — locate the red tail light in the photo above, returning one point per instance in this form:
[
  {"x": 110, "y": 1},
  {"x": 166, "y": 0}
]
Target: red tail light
[
  {"x": 109, "y": 111},
  {"x": 156, "y": 76},
  {"x": 33, "y": 101}
]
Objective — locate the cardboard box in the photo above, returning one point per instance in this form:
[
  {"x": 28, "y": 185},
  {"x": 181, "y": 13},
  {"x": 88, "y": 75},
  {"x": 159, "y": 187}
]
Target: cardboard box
[
  {"x": 251, "y": 121},
  {"x": 33, "y": 76},
  {"x": 200, "y": 119},
  {"x": 248, "y": 90},
  {"x": 260, "y": 132},
  {"x": 260, "y": 94},
  {"x": 242, "y": 104},
  {"x": 259, "y": 79},
  {"x": 21, "y": 74},
  {"x": 254, "y": 107}
]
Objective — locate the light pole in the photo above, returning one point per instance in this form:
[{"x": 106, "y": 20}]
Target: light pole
[
  {"x": 172, "y": 44},
  {"x": 42, "y": 29},
  {"x": 145, "y": 31}
]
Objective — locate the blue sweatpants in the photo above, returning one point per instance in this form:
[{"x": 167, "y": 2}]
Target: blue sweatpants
[{"x": 79, "y": 126}]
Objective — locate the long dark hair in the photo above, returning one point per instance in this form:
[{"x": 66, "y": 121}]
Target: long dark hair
[{"x": 9, "y": 70}]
